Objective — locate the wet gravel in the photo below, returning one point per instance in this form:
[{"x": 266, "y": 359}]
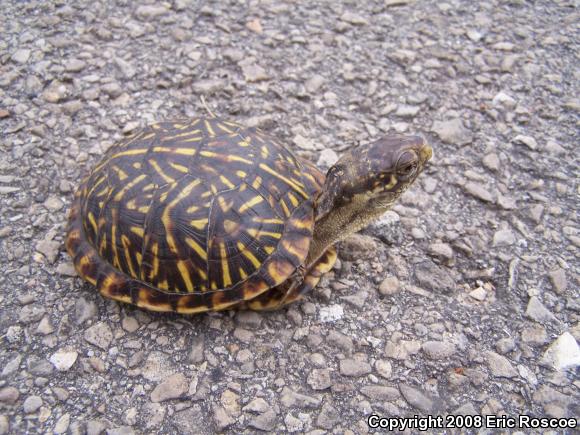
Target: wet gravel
[{"x": 463, "y": 300}]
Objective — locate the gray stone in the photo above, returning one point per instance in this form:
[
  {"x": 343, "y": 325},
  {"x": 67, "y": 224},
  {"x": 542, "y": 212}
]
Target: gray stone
[
  {"x": 491, "y": 162},
  {"x": 438, "y": 349},
  {"x": 555, "y": 148},
  {"x": 380, "y": 393},
  {"x": 208, "y": 86},
  {"x": 99, "y": 335},
  {"x": 478, "y": 191},
  {"x": 505, "y": 345},
  {"x": 21, "y": 55},
  {"x": 40, "y": 367},
  {"x": 384, "y": 368},
  {"x": 328, "y": 416},
  {"x": 130, "y": 324},
  {"x": 4, "y": 425},
  {"x": 62, "y": 424},
  {"x": 146, "y": 12},
  {"x": 319, "y": 379},
  {"x": 12, "y": 365},
  {"x": 563, "y": 353},
  {"x": 417, "y": 398},
  {"x": 479, "y": 294},
  {"x": 405, "y": 111},
  {"x": 9, "y": 395},
  {"x": 433, "y": 277},
  {"x": 32, "y": 404},
  {"x": 257, "y": 405},
  {"x": 291, "y": 399},
  {"x": 265, "y": 421},
  {"x": 442, "y": 251},
  {"x": 331, "y": 313},
  {"x": 254, "y": 73},
  {"x": 63, "y": 360},
  {"x": 96, "y": 427},
  {"x": 327, "y": 158},
  {"x": 452, "y": 132},
  {"x": 249, "y": 319},
  {"x": 314, "y": 83},
  {"x": 44, "y": 326},
  {"x": 358, "y": 246},
  {"x": 121, "y": 430},
  {"x": 84, "y": 310},
  {"x": 534, "y": 335},
  {"x": 355, "y": 368},
  {"x": 401, "y": 349},
  {"x": 500, "y": 366},
  {"x": 353, "y": 18},
  {"x": 173, "y": 387},
  {"x": 528, "y": 141},
  {"x": 113, "y": 90},
  {"x": 196, "y": 352},
  {"x": 559, "y": 281},
  {"x": 538, "y": 312},
  {"x": 340, "y": 340},
  {"x": 221, "y": 418},
  {"x": 74, "y": 65},
  {"x": 504, "y": 238},
  {"x": 389, "y": 286},
  {"x": 293, "y": 424},
  {"x": 48, "y": 248}
]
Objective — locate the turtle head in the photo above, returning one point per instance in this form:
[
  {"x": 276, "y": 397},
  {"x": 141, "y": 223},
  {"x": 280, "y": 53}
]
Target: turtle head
[
  {"x": 374, "y": 176},
  {"x": 365, "y": 183}
]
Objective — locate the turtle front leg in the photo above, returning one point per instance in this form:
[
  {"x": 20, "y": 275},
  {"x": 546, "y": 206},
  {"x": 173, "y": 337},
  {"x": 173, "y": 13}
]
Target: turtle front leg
[{"x": 294, "y": 288}]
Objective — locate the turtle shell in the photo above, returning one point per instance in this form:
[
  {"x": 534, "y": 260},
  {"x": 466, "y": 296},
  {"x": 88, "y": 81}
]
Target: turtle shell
[{"x": 193, "y": 216}]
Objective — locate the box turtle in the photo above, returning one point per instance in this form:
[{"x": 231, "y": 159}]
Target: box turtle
[{"x": 206, "y": 214}]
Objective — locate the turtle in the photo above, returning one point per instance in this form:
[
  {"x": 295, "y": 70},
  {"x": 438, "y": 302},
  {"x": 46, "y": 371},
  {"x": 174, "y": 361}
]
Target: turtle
[{"x": 206, "y": 214}]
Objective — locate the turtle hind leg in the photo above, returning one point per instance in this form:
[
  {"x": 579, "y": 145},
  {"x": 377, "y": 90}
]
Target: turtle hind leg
[{"x": 291, "y": 291}]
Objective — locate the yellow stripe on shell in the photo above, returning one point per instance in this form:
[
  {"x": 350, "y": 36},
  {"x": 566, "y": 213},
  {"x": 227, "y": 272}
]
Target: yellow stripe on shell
[
  {"x": 258, "y": 233},
  {"x": 274, "y": 221},
  {"x": 227, "y": 279},
  {"x": 83, "y": 262},
  {"x": 184, "y": 272},
  {"x": 249, "y": 204},
  {"x": 179, "y": 167},
  {"x": 162, "y": 174},
  {"x": 129, "y": 153},
  {"x": 245, "y": 142},
  {"x": 92, "y": 221},
  {"x": 182, "y": 151},
  {"x": 227, "y": 182},
  {"x": 120, "y": 173},
  {"x": 293, "y": 199},
  {"x": 226, "y": 157},
  {"x": 197, "y": 248},
  {"x": 166, "y": 219},
  {"x": 114, "y": 239},
  {"x": 285, "y": 208},
  {"x": 180, "y": 135},
  {"x": 137, "y": 230},
  {"x": 119, "y": 195},
  {"x": 209, "y": 128},
  {"x": 224, "y": 128},
  {"x": 199, "y": 223},
  {"x": 286, "y": 180},
  {"x": 126, "y": 248},
  {"x": 248, "y": 254}
]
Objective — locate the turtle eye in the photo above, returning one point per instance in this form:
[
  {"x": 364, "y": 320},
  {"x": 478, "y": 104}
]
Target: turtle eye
[{"x": 408, "y": 170}]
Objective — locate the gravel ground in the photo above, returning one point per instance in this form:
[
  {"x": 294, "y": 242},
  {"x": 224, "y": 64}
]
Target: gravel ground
[{"x": 463, "y": 300}]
